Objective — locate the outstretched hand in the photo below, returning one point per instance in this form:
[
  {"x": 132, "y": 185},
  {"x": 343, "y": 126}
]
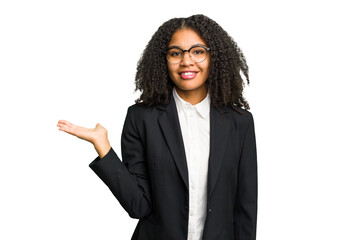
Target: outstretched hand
[
  {"x": 97, "y": 136},
  {"x": 88, "y": 134}
]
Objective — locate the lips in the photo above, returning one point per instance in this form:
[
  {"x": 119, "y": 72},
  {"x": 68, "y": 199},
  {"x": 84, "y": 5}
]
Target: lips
[{"x": 188, "y": 74}]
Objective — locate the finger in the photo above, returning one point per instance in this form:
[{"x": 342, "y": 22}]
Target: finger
[
  {"x": 62, "y": 127},
  {"x": 62, "y": 121},
  {"x": 65, "y": 122},
  {"x": 70, "y": 128},
  {"x": 66, "y": 128}
]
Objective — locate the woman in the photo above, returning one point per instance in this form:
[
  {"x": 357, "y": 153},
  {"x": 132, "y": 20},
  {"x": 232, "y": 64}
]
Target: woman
[{"x": 189, "y": 168}]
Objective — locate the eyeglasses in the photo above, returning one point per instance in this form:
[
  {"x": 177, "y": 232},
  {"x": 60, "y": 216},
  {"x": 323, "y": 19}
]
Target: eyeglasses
[{"x": 197, "y": 54}]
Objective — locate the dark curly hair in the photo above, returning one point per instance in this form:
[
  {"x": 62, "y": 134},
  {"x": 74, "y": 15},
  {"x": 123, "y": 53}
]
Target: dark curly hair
[{"x": 225, "y": 84}]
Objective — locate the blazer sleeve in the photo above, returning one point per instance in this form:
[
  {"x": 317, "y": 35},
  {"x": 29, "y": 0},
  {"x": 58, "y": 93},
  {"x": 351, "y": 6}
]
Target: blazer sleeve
[
  {"x": 245, "y": 211},
  {"x": 128, "y": 180}
]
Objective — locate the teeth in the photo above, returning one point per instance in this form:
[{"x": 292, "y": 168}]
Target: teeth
[{"x": 187, "y": 73}]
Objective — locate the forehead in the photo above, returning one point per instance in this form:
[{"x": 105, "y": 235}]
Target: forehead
[{"x": 185, "y": 38}]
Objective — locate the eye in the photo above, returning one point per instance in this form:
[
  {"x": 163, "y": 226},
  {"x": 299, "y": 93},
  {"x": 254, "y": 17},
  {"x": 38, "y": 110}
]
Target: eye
[
  {"x": 174, "y": 52},
  {"x": 198, "y": 51}
]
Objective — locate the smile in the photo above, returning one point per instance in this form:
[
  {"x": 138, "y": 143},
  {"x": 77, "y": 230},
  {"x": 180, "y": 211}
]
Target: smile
[{"x": 188, "y": 75}]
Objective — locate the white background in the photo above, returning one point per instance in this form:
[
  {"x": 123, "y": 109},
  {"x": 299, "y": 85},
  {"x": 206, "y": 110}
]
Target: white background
[{"x": 76, "y": 60}]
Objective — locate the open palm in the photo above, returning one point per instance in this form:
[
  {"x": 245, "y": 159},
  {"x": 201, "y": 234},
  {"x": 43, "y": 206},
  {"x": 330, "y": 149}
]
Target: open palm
[{"x": 88, "y": 134}]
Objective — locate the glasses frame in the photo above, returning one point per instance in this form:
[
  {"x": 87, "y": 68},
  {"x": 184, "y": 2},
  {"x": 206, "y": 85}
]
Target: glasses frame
[{"x": 207, "y": 49}]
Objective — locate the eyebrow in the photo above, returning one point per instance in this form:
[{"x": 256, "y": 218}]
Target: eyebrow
[{"x": 194, "y": 45}]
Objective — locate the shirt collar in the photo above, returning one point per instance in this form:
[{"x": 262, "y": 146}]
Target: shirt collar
[{"x": 203, "y": 107}]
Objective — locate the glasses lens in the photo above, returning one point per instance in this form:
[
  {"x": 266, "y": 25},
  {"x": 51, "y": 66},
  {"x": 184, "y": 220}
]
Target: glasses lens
[
  {"x": 198, "y": 54},
  {"x": 174, "y": 55}
]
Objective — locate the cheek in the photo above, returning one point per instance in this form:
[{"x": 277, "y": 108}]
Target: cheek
[{"x": 206, "y": 68}]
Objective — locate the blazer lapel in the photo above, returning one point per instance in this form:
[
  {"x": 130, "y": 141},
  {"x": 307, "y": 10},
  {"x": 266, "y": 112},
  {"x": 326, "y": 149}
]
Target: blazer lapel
[
  {"x": 219, "y": 135},
  {"x": 170, "y": 126}
]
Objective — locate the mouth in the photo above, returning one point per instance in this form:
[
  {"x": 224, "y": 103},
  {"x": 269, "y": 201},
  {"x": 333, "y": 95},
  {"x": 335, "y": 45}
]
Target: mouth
[{"x": 188, "y": 74}]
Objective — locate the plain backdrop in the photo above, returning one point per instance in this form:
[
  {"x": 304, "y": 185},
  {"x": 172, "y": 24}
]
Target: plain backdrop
[{"x": 76, "y": 60}]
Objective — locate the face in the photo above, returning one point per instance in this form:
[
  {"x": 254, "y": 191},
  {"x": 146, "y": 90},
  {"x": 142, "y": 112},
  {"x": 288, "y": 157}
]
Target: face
[{"x": 187, "y": 75}]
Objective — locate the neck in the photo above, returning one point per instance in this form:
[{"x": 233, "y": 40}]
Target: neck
[{"x": 192, "y": 96}]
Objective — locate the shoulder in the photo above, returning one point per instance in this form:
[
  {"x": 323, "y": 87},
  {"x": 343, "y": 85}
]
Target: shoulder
[
  {"x": 242, "y": 120},
  {"x": 140, "y": 109},
  {"x": 240, "y": 114},
  {"x": 140, "y": 112}
]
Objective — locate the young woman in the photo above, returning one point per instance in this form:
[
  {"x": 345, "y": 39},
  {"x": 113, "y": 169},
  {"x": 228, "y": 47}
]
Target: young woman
[{"x": 189, "y": 168}]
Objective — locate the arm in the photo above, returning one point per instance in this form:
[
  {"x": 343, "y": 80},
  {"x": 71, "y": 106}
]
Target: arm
[
  {"x": 245, "y": 211},
  {"x": 128, "y": 179}
]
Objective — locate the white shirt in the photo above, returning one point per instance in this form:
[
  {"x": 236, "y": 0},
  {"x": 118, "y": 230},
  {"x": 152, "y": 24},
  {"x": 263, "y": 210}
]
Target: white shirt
[{"x": 195, "y": 130}]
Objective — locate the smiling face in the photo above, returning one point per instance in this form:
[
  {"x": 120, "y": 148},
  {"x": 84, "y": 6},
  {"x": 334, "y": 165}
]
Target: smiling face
[{"x": 188, "y": 76}]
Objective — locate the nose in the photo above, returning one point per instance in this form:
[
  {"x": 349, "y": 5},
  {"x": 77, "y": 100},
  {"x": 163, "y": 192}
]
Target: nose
[{"x": 186, "y": 60}]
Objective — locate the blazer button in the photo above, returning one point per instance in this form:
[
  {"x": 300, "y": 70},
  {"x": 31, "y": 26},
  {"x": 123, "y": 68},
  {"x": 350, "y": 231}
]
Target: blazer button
[
  {"x": 186, "y": 207},
  {"x": 209, "y": 210}
]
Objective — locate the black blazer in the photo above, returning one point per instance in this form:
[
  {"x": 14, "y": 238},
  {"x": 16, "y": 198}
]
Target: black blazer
[{"x": 151, "y": 183}]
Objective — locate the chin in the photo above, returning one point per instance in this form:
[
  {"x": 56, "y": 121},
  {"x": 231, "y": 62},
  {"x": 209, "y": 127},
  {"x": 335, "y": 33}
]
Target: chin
[{"x": 190, "y": 87}]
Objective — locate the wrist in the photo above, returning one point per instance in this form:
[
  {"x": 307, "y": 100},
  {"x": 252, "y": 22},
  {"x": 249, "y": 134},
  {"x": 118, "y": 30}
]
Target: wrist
[{"x": 102, "y": 147}]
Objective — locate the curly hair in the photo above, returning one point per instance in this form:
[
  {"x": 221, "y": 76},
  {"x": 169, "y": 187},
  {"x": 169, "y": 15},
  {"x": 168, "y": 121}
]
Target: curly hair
[{"x": 225, "y": 84}]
